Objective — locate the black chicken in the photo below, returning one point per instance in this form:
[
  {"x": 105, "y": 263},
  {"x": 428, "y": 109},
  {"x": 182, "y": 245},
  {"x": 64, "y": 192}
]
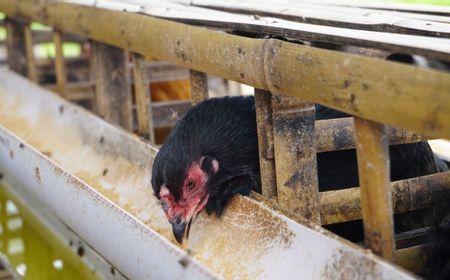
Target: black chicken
[{"x": 212, "y": 154}]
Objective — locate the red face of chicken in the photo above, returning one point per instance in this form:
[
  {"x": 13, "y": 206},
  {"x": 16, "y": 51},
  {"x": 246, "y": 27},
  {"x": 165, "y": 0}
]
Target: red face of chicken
[{"x": 193, "y": 199}]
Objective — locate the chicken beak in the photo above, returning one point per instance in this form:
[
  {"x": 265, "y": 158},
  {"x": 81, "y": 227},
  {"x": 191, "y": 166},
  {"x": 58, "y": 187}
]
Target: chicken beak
[{"x": 181, "y": 231}]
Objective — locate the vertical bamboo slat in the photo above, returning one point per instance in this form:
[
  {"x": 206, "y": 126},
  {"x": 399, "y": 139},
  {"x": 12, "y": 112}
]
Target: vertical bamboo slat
[
  {"x": 15, "y": 43},
  {"x": 143, "y": 101},
  {"x": 374, "y": 179},
  {"x": 31, "y": 66},
  {"x": 199, "y": 86},
  {"x": 263, "y": 106},
  {"x": 60, "y": 68},
  {"x": 112, "y": 89},
  {"x": 295, "y": 156}
]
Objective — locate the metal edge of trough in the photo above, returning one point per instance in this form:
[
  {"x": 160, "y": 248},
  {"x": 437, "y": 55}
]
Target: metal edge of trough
[
  {"x": 47, "y": 224},
  {"x": 136, "y": 250},
  {"x": 270, "y": 245}
]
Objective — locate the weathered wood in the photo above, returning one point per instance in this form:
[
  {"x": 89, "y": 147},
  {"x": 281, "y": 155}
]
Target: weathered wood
[
  {"x": 112, "y": 89},
  {"x": 354, "y": 93},
  {"x": 60, "y": 68},
  {"x": 76, "y": 91},
  {"x": 160, "y": 71},
  {"x": 324, "y": 15},
  {"x": 376, "y": 201},
  {"x": 426, "y": 9},
  {"x": 31, "y": 65},
  {"x": 44, "y": 36},
  {"x": 407, "y": 195},
  {"x": 360, "y": 88},
  {"x": 412, "y": 238},
  {"x": 339, "y": 134},
  {"x": 295, "y": 156},
  {"x": 402, "y": 43},
  {"x": 15, "y": 44},
  {"x": 143, "y": 100},
  {"x": 166, "y": 113},
  {"x": 413, "y": 258},
  {"x": 199, "y": 86},
  {"x": 263, "y": 106}
]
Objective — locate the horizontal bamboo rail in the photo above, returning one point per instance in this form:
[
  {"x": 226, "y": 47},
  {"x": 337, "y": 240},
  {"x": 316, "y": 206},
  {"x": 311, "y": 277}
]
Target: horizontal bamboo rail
[
  {"x": 413, "y": 258},
  {"x": 407, "y": 195},
  {"x": 361, "y": 88},
  {"x": 338, "y": 134}
]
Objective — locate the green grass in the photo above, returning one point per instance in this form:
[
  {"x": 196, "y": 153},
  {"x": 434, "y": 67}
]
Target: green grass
[
  {"x": 47, "y": 50},
  {"x": 2, "y": 34}
]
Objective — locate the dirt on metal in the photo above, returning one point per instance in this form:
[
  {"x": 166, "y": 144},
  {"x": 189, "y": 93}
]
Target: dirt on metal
[
  {"x": 249, "y": 241},
  {"x": 127, "y": 185}
]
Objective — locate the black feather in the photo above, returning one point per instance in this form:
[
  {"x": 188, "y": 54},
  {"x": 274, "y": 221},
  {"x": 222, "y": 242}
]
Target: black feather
[{"x": 223, "y": 129}]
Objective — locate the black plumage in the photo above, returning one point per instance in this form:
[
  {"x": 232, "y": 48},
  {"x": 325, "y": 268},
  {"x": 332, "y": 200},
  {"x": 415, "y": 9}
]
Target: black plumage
[
  {"x": 221, "y": 128},
  {"x": 225, "y": 129}
]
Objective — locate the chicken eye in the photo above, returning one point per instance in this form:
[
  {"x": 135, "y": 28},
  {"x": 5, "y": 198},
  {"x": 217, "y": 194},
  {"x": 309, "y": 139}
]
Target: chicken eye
[{"x": 190, "y": 184}]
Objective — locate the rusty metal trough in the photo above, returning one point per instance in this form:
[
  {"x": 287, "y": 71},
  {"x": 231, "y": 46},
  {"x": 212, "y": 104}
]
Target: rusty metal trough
[{"x": 95, "y": 178}]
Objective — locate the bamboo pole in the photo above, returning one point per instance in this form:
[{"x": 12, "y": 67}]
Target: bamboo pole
[
  {"x": 199, "y": 86},
  {"x": 263, "y": 106},
  {"x": 112, "y": 89},
  {"x": 60, "y": 68},
  {"x": 407, "y": 195},
  {"x": 143, "y": 100},
  {"x": 413, "y": 98},
  {"x": 339, "y": 134},
  {"x": 413, "y": 258},
  {"x": 373, "y": 169},
  {"x": 31, "y": 65},
  {"x": 295, "y": 156}
]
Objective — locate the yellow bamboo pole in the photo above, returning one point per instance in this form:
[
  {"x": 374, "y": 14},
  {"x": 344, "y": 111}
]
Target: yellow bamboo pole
[
  {"x": 412, "y": 98},
  {"x": 263, "y": 106},
  {"x": 60, "y": 68},
  {"x": 143, "y": 101},
  {"x": 199, "y": 86},
  {"x": 295, "y": 156},
  {"x": 31, "y": 65},
  {"x": 373, "y": 169}
]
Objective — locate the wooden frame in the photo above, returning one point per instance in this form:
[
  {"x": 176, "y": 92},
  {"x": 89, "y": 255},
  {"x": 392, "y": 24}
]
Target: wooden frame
[{"x": 290, "y": 78}]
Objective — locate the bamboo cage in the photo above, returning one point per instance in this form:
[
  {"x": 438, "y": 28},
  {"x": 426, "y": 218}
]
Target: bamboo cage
[{"x": 286, "y": 63}]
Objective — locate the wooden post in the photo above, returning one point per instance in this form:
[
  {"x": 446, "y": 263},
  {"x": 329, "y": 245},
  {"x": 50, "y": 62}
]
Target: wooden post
[
  {"x": 143, "y": 100},
  {"x": 60, "y": 68},
  {"x": 295, "y": 156},
  {"x": 15, "y": 43},
  {"x": 31, "y": 65},
  {"x": 199, "y": 86},
  {"x": 374, "y": 180},
  {"x": 263, "y": 106},
  {"x": 112, "y": 89}
]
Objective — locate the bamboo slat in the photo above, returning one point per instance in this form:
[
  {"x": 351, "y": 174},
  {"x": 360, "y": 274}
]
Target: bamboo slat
[
  {"x": 410, "y": 98},
  {"x": 324, "y": 15},
  {"x": 31, "y": 65},
  {"x": 295, "y": 156},
  {"x": 407, "y": 195},
  {"x": 112, "y": 90},
  {"x": 373, "y": 169},
  {"x": 60, "y": 67},
  {"x": 16, "y": 47},
  {"x": 199, "y": 86},
  {"x": 143, "y": 100},
  {"x": 263, "y": 106},
  {"x": 338, "y": 134}
]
